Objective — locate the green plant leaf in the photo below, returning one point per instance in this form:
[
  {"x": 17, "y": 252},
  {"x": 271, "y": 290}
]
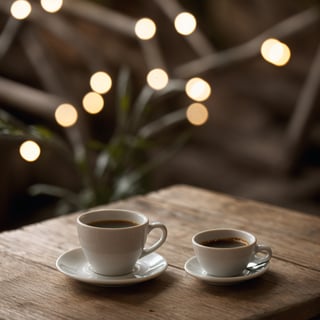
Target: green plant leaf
[
  {"x": 140, "y": 105},
  {"x": 41, "y": 132},
  {"x": 123, "y": 99},
  {"x": 168, "y": 120},
  {"x": 54, "y": 191},
  {"x": 102, "y": 162},
  {"x": 10, "y": 125}
]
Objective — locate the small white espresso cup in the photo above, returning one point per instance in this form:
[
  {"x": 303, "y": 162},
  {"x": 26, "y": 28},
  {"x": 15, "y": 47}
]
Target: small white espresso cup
[
  {"x": 227, "y": 252},
  {"x": 113, "y": 240}
]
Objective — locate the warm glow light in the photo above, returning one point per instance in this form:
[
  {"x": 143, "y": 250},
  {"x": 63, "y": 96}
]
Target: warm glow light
[
  {"x": 275, "y": 52},
  {"x": 198, "y": 89},
  {"x": 145, "y": 29},
  {"x": 157, "y": 79},
  {"x": 20, "y": 9},
  {"x": 185, "y": 23},
  {"x": 66, "y": 115},
  {"x": 51, "y": 5},
  {"x": 29, "y": 151},
  {"x": 100, "y": 82},
  {"x": 197, "y": 114},
  {"x": 93, "y": 102}
]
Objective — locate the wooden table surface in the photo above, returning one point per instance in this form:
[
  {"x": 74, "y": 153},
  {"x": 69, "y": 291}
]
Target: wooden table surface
[{"x": 32, "y": 288}]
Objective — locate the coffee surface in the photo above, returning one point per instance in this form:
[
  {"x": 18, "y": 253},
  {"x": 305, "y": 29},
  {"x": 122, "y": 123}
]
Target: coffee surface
[
  {"x": 225, "y": 243},
  {"x": 112, "y": 224}
]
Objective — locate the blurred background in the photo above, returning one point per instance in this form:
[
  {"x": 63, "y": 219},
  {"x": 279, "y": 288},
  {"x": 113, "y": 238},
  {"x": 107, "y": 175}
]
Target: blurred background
[{"x": 101, "y": 100}]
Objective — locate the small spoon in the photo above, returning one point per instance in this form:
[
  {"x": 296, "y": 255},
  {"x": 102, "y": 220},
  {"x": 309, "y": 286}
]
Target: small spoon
[{"x": 253, "y": 267}]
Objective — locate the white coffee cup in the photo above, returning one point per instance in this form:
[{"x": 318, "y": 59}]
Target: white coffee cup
[
  {"x": 227, "y": 252},
  {"x": 113, "y": 239}
]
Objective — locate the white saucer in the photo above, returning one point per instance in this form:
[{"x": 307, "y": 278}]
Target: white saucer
[
  {"x": 74, "y": 264},
  {"x": 193, "y": 268}
]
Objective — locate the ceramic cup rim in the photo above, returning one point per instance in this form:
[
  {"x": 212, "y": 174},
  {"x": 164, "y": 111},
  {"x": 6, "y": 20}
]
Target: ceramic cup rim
[
  {"x": 248, "y": 237},
  {"x": 86, "y": 217}
]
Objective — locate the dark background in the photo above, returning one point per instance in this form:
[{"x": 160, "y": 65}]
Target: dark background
[{"x": 245, "y": 149}]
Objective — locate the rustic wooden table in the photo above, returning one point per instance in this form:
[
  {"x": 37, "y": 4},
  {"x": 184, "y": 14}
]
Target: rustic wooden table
[{"x": 32, "y": 288}]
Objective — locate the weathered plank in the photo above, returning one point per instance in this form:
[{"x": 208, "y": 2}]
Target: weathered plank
[
  {"x": 32, "y": 288},
  {"x": 293, "y": 235}
]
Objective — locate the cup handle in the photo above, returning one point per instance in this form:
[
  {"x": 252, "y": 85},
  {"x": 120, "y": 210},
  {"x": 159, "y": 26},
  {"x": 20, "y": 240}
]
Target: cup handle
[
  {"x": 260, "y": 248},
  {"x": 158, "y": 243}
]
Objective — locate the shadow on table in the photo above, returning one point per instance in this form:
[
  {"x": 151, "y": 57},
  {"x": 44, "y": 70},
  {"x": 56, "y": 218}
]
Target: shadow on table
[
  {"x": 133, "y": 294},
  {"x": 243, "y": 290}
]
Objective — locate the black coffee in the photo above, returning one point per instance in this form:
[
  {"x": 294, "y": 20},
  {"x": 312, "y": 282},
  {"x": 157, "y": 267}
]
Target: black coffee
[
  {"x": 112, "y": 224},
  {"x": 225, "y": 243}
]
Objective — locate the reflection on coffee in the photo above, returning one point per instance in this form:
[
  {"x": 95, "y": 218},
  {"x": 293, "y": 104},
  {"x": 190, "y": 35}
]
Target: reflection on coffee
[
  {"x": 225, "y": 243},
  {"x": 112, "y": 224}
]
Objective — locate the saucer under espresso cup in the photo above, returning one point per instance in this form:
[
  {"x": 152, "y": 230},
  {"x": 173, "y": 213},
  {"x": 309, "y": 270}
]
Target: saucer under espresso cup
[
  {"x": 227, "y": 252},
  {"x": 193, "y": 268},
  {"x": 113, "y": 240}
]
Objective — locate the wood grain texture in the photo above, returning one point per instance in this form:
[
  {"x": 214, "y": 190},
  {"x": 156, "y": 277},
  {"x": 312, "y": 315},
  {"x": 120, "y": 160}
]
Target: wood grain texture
[{"x": 32, "y": 288}]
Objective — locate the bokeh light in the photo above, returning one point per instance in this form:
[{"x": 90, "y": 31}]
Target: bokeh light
[
  {"x": 100, "y": 82},
  {"x": 93, "y": 102},
  {"x": 145, "y": 29},
  {"x": 275, "y": 52},
  {"x": 197, "y": 114},
  {"x": 20, "y": 9},
  {"x": 185, "y": 23},
  {"x": 198, "y": 89},
  {"x": 29, "y": 151},
  {"x": 51, "y": 6},
  {"x": 157, "y": 79},
  {"x": 66, "y": 115}
]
